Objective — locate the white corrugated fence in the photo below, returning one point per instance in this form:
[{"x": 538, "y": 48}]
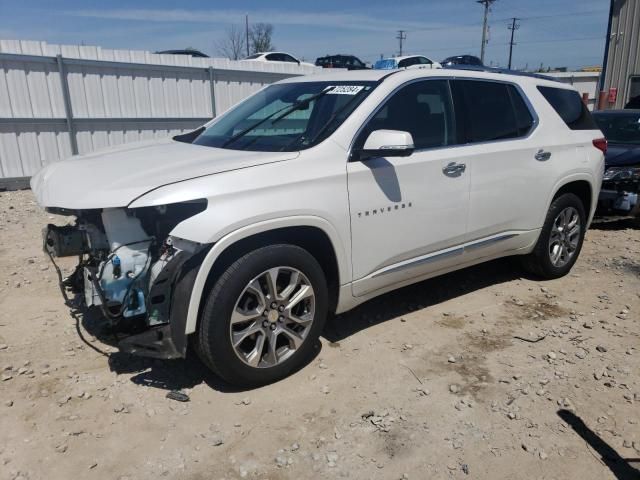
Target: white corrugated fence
[{"x": 59, "y": 100}]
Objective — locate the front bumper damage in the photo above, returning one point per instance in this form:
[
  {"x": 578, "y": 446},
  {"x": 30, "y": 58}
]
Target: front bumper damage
[
  {"x": 132, "y": 269},
  {"x": 168, "y": 304},
  {"x": 619, "y": 198}
]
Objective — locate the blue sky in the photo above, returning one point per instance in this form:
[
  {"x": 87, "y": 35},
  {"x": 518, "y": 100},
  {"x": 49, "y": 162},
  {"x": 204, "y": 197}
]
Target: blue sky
[{"x": 553, "y": 32}]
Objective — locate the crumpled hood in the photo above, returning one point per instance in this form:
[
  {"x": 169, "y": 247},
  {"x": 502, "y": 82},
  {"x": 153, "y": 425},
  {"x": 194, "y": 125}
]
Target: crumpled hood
[
  {"x": 622, "y": 155},
  {"x": 117, "y": 176}
]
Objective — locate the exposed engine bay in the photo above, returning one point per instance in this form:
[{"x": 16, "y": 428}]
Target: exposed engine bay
[
  {"x": 620, "y": 192},
  {"x": 128, "y": 266}
]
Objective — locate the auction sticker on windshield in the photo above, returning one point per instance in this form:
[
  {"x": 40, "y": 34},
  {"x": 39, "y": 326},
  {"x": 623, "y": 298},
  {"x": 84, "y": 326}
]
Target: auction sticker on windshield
[{"x": 344, "y": 89}]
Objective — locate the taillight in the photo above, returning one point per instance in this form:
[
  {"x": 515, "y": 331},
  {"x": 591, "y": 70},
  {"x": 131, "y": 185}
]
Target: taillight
[{"x": 600, "y": 144}]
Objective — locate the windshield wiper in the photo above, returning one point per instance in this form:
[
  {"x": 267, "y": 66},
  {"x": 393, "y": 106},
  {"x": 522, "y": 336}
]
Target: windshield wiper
[
  {"x": 277, "y": 115},
  {"x": 326, "y": 125}
]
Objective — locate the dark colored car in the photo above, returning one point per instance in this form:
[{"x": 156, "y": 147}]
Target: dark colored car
[
  {"x": 621, "y": 182},
  {"x": 349, "y": 62},
  {"x": 462, "y": 60},
  {"x": 187, "y": 51}
]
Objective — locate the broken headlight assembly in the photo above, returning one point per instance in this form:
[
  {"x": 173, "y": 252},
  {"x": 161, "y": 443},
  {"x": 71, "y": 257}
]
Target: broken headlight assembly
[
  {"x": 622, "y": 174},
  {"x": 123, "y": 257}
]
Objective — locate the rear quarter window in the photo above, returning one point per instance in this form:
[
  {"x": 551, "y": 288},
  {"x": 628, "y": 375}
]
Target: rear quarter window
[
  {"x": 491, "y": 111},
  {"x": 570, "y": 107}
]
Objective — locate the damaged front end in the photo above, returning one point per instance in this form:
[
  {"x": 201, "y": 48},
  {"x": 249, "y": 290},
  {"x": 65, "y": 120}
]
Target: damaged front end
[
  {"x": 132, "y": 269},
  {"x": 620, "y": 193}
]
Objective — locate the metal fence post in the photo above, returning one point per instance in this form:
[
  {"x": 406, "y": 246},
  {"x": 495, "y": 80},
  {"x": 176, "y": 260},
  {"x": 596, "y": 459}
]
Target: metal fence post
[
  {"x": 64, "y": 84},
  {"x": 212, "y": 80}
]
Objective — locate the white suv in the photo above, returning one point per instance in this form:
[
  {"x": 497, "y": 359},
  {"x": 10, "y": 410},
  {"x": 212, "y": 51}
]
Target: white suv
[{"x": 315, "y": 195}]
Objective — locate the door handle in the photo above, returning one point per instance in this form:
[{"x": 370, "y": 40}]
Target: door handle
[
  {"x": 454, "y": 169},
  {"x": 542, "y": 156}
]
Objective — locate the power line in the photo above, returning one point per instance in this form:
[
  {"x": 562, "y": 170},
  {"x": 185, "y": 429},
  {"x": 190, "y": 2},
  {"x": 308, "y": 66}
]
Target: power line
[
  {"x": 565, "y": 14},
  {"x": 513, "y": 27},
  {"x": 402, "y": 35},
  {"x": 464, "y": 47},
  {"x": 536, "y": 17},
  {"x": 561, "y": 40}
]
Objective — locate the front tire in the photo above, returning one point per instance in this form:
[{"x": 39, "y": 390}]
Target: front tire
[
  {"x": 263, "y": 316},
  {"x": 561, "y": 238}
]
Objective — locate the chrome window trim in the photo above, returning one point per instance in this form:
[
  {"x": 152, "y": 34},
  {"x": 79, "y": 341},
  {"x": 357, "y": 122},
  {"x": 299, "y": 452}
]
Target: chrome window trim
[{"x": 527, "y": 102}]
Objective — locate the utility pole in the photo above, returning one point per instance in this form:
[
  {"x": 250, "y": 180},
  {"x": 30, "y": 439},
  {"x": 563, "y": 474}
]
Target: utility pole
[
  {"x": 246, "y": 29},
  {"x": 513, "y": 27},
  {"x": 402, "y": 35},
  {"x": 487, "y": 5}
]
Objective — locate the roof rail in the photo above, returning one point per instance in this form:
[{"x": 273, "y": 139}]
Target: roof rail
[{"x": 505, "y": 71}]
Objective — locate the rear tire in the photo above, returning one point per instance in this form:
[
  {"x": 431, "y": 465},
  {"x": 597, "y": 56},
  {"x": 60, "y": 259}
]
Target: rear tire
[
  {"x": 560, "y": 240},
  {"x": 263, "y": 316}
]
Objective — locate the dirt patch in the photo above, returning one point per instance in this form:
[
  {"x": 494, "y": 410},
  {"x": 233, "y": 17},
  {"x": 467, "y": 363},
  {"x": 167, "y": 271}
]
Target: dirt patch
[
  {"x": 475, "y": 377},
  {"x": 451, "y": 321},
  {"x": 535, "y": 309},
  {"x": 453, "y": 394}
]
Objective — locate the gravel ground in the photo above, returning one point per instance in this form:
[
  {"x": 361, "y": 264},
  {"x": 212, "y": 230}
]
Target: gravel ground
[{"x": 480, "y": 374}]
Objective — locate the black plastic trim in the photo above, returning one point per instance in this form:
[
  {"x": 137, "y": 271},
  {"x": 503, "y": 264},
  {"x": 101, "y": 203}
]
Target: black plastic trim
[
  {"x": 155, "y": 343},
  {"x": 172, "y": 288},
  {"x": 181, "y": 296}
]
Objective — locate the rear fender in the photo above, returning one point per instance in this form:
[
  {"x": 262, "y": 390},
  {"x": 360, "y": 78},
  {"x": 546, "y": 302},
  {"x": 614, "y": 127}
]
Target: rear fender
[{"x": 581, "y": 176}]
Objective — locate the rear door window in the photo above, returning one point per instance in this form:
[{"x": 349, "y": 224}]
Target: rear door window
[
  {"x": 570, "y": 107},
  {"x": 524, "y": 119},
  {"x": 491, "y": 110}
]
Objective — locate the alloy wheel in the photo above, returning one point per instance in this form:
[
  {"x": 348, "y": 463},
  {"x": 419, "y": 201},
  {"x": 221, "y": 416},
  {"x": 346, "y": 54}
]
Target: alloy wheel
[
  {"x": 565, "y": 237},
  {"x": 272, "y": 317}
]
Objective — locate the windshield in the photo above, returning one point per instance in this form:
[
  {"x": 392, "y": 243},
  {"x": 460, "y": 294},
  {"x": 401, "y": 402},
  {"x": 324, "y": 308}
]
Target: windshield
[
  {"x": 620, "y": 128},
  {"x": 286, "y": 117},
  {"x": 386, "y": 64}
]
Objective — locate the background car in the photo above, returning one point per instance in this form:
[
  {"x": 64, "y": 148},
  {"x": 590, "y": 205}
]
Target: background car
[
  {"x": 621, "y": 182},
  {"x": 408, "y": 61},
  {"x": 350, "y": 62},
  {"x": 275, "y": 57},
  {"x": 192, "y": 52},
  {"x": 462, "y": 60}
]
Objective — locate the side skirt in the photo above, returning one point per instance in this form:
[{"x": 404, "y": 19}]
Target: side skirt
[{"x": 435, "y": 264}]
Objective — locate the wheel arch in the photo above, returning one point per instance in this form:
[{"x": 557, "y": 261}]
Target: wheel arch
[
  {"x": 314, "y": 234},
  {"x": 580, "y": 188},
  {"x": 580, "y": 185}
]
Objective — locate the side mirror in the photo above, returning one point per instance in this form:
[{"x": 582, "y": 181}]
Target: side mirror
[{"x": 387, "y": 143}]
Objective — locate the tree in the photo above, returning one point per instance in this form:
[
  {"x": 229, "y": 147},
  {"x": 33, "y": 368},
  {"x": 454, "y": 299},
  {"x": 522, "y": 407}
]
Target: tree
[
  {"x": 233, "y": 44},
  {"x": 260, "y": 37}
]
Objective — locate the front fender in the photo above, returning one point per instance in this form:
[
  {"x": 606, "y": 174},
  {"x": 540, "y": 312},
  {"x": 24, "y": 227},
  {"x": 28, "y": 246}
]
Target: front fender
[{"x": 229, "y": 239}]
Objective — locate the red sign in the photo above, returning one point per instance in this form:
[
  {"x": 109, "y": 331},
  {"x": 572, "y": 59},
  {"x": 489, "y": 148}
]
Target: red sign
[{"x": 613, "y": 95}]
